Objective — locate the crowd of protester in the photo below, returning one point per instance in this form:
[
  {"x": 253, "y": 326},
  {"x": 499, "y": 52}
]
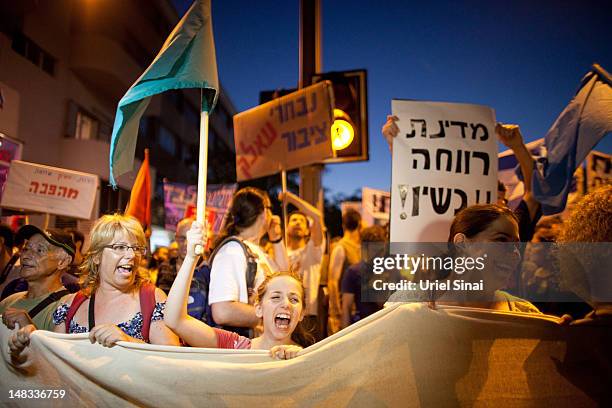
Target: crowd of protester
[{"x": 239, "y": 295}]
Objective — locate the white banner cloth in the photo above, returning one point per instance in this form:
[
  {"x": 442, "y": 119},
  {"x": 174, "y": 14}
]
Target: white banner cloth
[{"x": 406, "y": 355}]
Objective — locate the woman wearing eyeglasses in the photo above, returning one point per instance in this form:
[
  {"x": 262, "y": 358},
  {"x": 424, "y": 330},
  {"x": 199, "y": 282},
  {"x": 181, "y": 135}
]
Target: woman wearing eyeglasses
[{"x": 116, "y": 304}]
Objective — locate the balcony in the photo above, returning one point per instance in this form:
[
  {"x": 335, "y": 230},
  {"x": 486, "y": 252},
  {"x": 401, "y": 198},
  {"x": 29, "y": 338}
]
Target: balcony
[
  {"x": 91, "y": 156},
  {"x": 103, "y": 65}
]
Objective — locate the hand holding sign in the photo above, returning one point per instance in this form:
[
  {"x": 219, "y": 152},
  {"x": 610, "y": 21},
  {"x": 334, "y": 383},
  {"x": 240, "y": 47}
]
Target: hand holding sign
[
  {"x": 509, "y": 135},
  {"x": 390, "y": 130}
]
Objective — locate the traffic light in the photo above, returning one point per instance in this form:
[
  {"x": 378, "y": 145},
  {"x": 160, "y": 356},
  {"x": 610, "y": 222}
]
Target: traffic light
[
  {"x": 266, "y": 96},
  {"x": 349, "y": 130}
]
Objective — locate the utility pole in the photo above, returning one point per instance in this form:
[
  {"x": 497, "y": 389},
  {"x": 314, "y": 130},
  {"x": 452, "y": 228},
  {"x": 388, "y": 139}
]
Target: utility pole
[{"x": 310, "y": 52}]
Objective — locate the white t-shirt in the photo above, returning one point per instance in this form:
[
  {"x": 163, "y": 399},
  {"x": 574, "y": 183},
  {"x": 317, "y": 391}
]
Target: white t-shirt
[
  {"x": 307, "y": 260},
  {"x": 228, "y": 272}
]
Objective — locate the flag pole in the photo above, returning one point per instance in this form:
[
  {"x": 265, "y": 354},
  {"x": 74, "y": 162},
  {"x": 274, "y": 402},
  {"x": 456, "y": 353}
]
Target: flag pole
[
  {"x": 202, "y": 171},
  {"x": 284, "y": 187}
]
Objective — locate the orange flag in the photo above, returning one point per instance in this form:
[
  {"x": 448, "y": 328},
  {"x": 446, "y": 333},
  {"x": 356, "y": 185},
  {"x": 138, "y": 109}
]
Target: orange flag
[{"x": 139, "y": 206}]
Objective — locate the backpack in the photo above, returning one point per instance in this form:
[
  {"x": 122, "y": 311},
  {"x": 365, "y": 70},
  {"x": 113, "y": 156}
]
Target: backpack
[{"x": 197, "y": 305}]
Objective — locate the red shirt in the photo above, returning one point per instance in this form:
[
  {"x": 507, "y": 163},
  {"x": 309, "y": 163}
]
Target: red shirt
[{"x": 230, "y": 340}]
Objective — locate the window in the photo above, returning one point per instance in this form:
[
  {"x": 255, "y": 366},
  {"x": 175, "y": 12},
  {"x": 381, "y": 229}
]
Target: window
[
  {"x": 175, "y": 98},
  {"x": 192, "y": 117},
  {"x": 86, "y": 127},
  {"x": 22, "y": 45},
  {"x": 112, "y": 201},
  {"x": 105, "y": 131},
  {"x": 65, "y": 222},
  {"x": 186, "y": 156},
  {"x": 167, "y": 141}
]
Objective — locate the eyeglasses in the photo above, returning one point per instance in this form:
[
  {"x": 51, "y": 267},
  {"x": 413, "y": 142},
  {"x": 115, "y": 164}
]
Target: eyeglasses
[{"x": 122, "y": 249}]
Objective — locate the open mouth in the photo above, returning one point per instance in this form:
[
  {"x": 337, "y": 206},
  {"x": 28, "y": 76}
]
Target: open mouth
[
  {"x": 125, "y": 269},
  {"x": 282, "y": 321}
]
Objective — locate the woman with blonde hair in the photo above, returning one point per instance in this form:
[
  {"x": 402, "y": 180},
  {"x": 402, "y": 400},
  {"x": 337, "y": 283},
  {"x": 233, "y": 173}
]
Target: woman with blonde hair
[{"x": 116, "y": 304}]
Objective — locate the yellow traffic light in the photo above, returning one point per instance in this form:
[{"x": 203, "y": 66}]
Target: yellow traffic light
[{"x": 342, "y": 130}]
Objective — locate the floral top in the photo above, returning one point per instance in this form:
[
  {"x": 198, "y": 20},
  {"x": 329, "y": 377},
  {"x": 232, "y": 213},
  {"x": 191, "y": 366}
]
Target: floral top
[{"x": 132, "y": 327}]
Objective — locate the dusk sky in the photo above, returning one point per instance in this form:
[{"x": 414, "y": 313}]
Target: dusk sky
[{"x": 525, "y": 59}]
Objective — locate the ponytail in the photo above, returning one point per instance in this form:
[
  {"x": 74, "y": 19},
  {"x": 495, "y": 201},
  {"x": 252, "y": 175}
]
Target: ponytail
[{"x": 247, "y": 204}]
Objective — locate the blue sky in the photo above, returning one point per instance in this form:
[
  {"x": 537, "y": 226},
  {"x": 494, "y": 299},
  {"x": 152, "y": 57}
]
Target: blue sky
[{"x": 525, "y": 59}]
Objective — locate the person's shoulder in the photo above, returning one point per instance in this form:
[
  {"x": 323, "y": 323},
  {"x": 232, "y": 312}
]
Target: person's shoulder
[
  {"x": 9, "y": 300},
  {"x": 231, "y": 247},
  {"x": 160, "y": 295},
  {"x": 67, "y": 299},
  {"x": 356, "y": 269},
  {"x": 338, "y": 248}
]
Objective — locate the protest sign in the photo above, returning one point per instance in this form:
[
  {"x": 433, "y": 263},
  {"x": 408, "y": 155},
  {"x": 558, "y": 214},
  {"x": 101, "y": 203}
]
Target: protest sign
[
  {"x": 375, "y": 206},
  {"x": 10, "y": 150},
  {"x": 180, "y": 201},
  {"x": 285, "y": 133},
  {"x": 444, "y": 159},
  {"x": 599, "y": 170},
  {"x": 51, "y": 190}
]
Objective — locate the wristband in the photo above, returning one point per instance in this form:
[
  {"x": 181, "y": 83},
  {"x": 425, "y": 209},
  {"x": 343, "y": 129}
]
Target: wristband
[{"x": 276, "y": 241}]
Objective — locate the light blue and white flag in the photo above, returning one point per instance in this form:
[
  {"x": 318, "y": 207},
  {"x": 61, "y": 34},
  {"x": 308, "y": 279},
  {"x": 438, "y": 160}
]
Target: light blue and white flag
[
  {"x": 583, "y": 123},
  {"x": 186, "y": 60}
]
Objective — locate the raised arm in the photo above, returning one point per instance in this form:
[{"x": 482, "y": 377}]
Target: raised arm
[
  {"x": 511, "y": 137},
  {"x": 275, "y": 233},
  {"x": 335, "y": 270},
  {"x": 390, "y": 130},
  {"x": 194, "y": 332},
  {"x": 316, "y": 230}
]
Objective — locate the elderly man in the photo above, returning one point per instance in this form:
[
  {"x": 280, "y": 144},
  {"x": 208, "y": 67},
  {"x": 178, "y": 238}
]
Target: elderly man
[{"x": 45, "y": 256}]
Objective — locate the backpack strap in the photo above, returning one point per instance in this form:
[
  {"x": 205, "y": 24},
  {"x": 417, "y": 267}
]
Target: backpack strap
[
  {"x": 251, "y": 258},
  {"x": 78, "y": 300},
  {"x": 147, "y": 307},
  {"x": 53, "y": 297}
]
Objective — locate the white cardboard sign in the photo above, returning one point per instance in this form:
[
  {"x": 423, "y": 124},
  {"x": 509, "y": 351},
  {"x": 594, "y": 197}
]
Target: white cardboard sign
[
  {"x": 444, "y": 159},
  {"x": 52, "y": 190},
  {"x": 375, "y": 205}
]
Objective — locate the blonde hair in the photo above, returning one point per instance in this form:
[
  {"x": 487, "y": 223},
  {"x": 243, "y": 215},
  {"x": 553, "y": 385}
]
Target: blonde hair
[
  {"x": 590, "y": 219},
  {"x": 102, "y": 234}
]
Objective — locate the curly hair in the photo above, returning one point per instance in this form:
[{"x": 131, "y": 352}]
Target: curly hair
[
  {"x": 590, "y": 219},
  {"x": 102, "y": 234},
  {"x": 300, "y": 335}
]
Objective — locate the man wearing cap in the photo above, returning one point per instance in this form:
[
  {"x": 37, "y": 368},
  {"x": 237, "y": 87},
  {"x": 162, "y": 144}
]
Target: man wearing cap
[{"x": 45, "y": 256}]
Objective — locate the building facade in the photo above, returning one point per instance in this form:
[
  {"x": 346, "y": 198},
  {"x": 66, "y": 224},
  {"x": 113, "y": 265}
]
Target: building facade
[{"x": 64, "y": 65}]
